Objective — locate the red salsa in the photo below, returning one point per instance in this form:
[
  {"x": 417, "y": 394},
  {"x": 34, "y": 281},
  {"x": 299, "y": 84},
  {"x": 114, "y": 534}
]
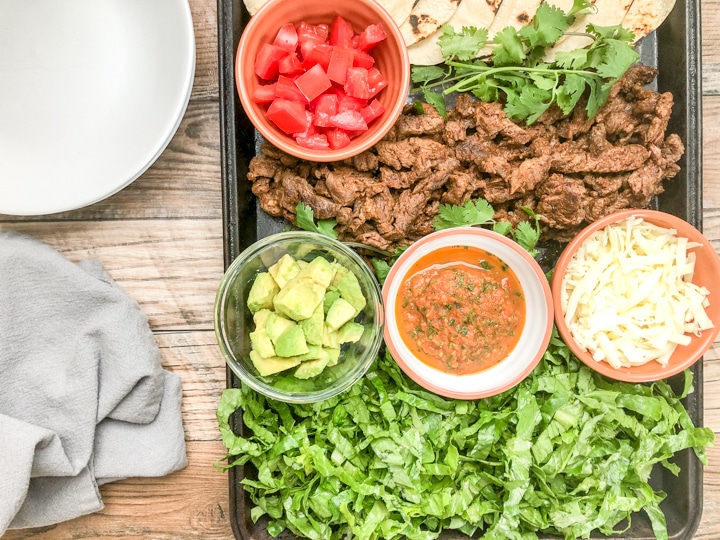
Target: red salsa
[{"x": 460, "y": 309}]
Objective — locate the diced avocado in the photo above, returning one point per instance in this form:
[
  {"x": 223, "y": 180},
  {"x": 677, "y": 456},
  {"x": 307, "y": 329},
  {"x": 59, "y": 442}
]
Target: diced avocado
[
  {"x": 291, "y": 342},
  {"x": 340, "y": 272},
  {"x": 302, "y": 264},
  {"x": 299, "y": 298},
  {"x": 274, "y": 364},
  {"x": 284, "y": 270},
  {"x": 320, "y": 270},
  {"x": 262, "y": 292},
  {"x": 331, "y": 295},
  {"x": 339, "y": 313},
  {"x": 330, "y": 338},
  {"x": 334, "y": 354},
  {"x": 262, "y": 343},
  {"x": 350, "y": 290},
  {"x": 314, "y": 352},
  {"x": 276, "y": 325},
  {"x": 313, "y": 326},
  {"x": 312, "y": 368},
  {"x": 260, "y": 318},
  {"x": 350, "y": 332}
]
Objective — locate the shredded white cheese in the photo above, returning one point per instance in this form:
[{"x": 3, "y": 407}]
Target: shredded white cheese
[{"x": 627, "y": 294}]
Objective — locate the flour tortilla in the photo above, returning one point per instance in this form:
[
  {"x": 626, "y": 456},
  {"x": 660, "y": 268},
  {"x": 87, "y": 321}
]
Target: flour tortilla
[
  {"x": 399, "y": 10},
  {"x": 644, "y": 16},
  {"x": 608, "y": 13},
  {"x": 478, "y": 13},
  {"x": 426, "y": 17},
  {"x": 515, "y": 13}
]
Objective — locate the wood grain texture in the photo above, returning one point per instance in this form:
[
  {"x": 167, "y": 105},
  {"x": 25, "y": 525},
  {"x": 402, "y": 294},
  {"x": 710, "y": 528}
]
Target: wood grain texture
[{"x": 161, "y": 240}]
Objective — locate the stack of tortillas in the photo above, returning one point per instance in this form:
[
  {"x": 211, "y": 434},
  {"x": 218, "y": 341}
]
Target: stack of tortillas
[{"x": 420, "y": 21}]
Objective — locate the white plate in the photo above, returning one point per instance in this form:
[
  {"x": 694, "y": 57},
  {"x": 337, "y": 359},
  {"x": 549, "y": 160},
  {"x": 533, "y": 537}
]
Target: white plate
[{"x": 91, "y": 92}]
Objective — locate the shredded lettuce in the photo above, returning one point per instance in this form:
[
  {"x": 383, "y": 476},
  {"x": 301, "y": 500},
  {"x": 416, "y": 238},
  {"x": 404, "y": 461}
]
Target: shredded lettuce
[{"x": 565, "y": 452}]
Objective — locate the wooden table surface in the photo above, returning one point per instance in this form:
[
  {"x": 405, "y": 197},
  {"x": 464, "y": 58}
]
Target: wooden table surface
[{"x": 161, "y": 240}]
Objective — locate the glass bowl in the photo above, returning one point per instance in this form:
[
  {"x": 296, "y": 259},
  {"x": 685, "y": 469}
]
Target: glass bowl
[{"x": 234, "y": 321}]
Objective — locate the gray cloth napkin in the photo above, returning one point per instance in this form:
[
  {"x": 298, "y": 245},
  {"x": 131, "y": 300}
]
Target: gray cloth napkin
[{"x": 83, "y": 397}]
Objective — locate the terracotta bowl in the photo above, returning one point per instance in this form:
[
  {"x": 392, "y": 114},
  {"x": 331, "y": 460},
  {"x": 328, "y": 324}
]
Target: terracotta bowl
[
  {"x": 536, "y": 332},
  {"x": 391, "y": 58},
  {"x": 707, "y": 273}
]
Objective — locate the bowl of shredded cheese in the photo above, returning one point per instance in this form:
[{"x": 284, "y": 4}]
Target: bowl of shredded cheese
[{"x": 637, "y": 295}]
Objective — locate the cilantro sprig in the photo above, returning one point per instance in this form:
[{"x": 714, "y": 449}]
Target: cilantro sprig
[
  {"x": 518, "y": 73},
  {"x": 305, "y": 219}
]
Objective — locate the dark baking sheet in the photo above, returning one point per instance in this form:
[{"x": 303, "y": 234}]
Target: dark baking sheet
[{"x": 674, "y": 49}]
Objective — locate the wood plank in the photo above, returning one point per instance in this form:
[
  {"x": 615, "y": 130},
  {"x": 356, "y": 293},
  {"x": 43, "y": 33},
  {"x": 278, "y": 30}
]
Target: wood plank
[
  {"x": 205, "y": 85},
  {"x": 170, "y": 267},
  {"x": 710, "y": 15},
  {"x": 183, "y": 183},
  {"x": 195, "y": 357},
  {"x": 711, "y": 152},
  {"x": 192, "y": 503}
]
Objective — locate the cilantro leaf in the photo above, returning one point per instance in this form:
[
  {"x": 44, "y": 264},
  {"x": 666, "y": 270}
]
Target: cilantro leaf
[
  {"x": 502, "y": 227},
  {"x": 581, "y": 6},
  {"x": 546, "y": 28},
  {"x": 570, "y": 92},
  {"x": 436, "y": 100},
  {"x": 472, "y": 213},
  {"x": 382, "y": 269},
  {"x": 619, "y": 56},
  {"x": 529, "y": 104},
  {"x": 426, "y": 74},
  {"x": 527, "y": 233},
  {"x": 575, "y": 59},
  {"x": 464, "y": 45},
  {"x": 510, "y": 50},
  {"x": 305, "y": 219}
]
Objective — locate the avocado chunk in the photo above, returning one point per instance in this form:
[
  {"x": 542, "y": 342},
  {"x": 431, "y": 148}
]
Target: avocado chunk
[
  {"x": 284, "y": 270},
  {"x": 334, "y": 354},
  {"x": 272, "y": 365},
  {"x": 262, "y": 343},
  {"x": 313, "y": 326},
  {"x": 330, "y": 338},
  {"x": 261, "y": 317},
  {"x": 312, "y": 368},
  {"x": 262, "y": 292},
  {"x": 299, "y": 298},
  {"x": 331, "y": 295},
  {"x": 276, "y": 325},
  {"x": 320, "y": 270},
  {"x": 339, "y": 313},
  {"x": 350, "y": 291},
  {"x": 350, "y": 332},
  {"x": 291, "y": 342},
  {"x": 340, "y": 273}
]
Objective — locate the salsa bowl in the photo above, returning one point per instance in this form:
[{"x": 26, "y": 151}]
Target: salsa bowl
[
  {"x": 468, "y": 313},
  {"x": 706, "y": 274}
]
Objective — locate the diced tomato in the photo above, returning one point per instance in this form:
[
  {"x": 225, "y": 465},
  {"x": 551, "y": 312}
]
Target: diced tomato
[
  {"x": 288, "y": 115},
  {"x": 372, "y": 111},
  {"x": 325, "y": 106},
  {"x": 356, "y": 84},
  {"x": 313, "y": 82},
  {"x": 370, "y": 37},
  {"x": 315, "y": 142},
  {"x": 315, "y": 32},
  {"x": 319, "y": 54},
  {"x": 349, "y": 103},
  {"x": 340, "y": 60},
  {"x": 287, "y": 38},
  {"x": 264, "y": 93},
  {"x": 268, "y": 60},
  {"x": 375, "y": 81},
  {"x": 337, "y": 138},
  {"x": 290, "y": 65},
  {"x": 310, "y": 130},
  {"x": 341, "y": 32},
  {"x": 349, "y": 121},
  {"x": 362, "y": 59},
  {"x": 287, "y": 89}
]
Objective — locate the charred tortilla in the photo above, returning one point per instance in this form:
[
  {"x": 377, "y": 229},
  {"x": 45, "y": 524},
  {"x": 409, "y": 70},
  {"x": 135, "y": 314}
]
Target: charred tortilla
[
  {"x": 479, "y": 13},
  {"x": 427, "y": 17},
  {"x": 644, "y": 16},
  {"x": 399, "y": 10}
]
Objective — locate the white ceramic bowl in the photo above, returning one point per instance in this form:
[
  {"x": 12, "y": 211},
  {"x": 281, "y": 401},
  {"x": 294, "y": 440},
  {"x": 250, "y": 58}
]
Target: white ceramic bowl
[{"x": 535, "y": 335}]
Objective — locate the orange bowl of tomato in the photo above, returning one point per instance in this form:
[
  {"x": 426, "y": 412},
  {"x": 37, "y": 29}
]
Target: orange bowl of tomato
[
  {"x": 468, "y": 313},
  {"x": 322, "y": 81}
]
